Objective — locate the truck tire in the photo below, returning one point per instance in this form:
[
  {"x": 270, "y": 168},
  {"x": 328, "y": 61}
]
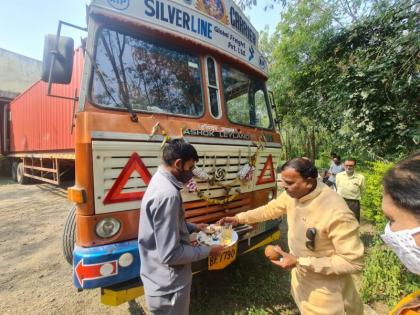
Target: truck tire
[
  {"x": 20, "y": 177},
  {"x": 69, "y": 235},
  {"x": 14, "y": 170}
]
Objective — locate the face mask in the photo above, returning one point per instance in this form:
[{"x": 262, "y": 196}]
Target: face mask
[
  {"x": 404, "y": 245},
  {"x": 184, "y": 176}
]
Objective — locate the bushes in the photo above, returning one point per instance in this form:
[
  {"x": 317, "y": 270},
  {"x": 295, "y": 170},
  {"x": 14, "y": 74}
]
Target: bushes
[
  {"x": 384, "y": 277},
  {"x": 372, "y": 197}
]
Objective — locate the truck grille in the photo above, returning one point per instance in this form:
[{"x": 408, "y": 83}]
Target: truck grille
[
  {"x": 110, "y": 157},
  {"x": 197, "y": 212}
]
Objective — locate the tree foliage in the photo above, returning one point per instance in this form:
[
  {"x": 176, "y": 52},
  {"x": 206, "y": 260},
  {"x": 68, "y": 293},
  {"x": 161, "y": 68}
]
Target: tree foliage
[{"x": 358, "y": 82}]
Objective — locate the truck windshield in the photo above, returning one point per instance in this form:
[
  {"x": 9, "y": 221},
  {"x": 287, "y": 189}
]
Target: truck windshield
[
  {"x": 246, "y": 99},
  {"x": 146, "y": 75}
]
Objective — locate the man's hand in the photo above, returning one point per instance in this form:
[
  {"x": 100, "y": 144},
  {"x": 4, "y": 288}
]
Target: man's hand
[
  {"x": 287, "y": 261},
  {"x": 216, "y": 250},
  {"x": 200, "y": 227},
  {"x": 232, "y": 220}
]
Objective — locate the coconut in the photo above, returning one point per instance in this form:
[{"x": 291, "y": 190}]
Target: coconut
[{"x": 271, "y": 253}]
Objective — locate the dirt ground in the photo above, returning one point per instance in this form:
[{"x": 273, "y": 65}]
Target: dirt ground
[{"x": 35, "y": 279}]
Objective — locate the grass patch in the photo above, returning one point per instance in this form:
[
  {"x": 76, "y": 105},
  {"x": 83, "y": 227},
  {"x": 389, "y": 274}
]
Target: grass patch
[
  {"x": 384, "y": 277},
  {"x": 251, "y": 285}
]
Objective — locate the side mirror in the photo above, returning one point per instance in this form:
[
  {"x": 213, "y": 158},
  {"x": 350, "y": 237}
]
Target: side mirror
[{"x": 57, "y": 62}]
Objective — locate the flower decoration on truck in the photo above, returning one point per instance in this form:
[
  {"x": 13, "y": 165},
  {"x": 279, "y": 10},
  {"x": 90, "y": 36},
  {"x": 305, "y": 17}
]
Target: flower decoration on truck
[
  {"x": 244, "y": 175},
  {"x": 203, "y": 176},
  {"x": 246, "y": 172},
  {"x": 165, "y": 135}
]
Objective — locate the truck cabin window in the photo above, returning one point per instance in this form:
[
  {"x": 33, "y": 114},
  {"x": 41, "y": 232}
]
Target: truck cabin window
[
  {"x": 131, "y": 72},
  {"x": 213, "y": 88},
  {"x": 246, "y": 99}
]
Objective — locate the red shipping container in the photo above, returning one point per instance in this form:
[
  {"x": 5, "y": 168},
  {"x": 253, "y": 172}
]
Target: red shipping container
[{"x": 40, "y": 123}]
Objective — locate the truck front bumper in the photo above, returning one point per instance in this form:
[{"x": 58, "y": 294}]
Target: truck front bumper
[
  {"x": 102, "y": 266},
  {"x": 115, "y": 264}
]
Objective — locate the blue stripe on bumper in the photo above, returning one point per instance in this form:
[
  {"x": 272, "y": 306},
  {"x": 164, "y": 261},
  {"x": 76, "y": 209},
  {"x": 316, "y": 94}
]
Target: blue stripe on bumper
[{"x": 87, "y": 263}]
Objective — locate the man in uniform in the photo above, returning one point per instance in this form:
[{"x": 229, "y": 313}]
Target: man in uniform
[
  {"x": 164, "y": 244},
  {"x": 323, "y": 237},
  {"x": 350, "y": 186}
]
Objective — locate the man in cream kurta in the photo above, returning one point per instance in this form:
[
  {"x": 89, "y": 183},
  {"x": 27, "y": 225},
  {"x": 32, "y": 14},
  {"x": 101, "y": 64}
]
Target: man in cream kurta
[{"x": 321, "y": 278}]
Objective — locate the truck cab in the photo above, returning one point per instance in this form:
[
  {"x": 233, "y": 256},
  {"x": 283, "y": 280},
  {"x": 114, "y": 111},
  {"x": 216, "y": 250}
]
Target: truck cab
[{"x": 154, "y": 70}]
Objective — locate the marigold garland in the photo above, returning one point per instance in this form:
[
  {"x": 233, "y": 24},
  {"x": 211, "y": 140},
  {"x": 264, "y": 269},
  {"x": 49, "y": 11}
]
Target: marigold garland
[
  {"x": 226, "y": 200},
  {"x": 245, "y": 174}
]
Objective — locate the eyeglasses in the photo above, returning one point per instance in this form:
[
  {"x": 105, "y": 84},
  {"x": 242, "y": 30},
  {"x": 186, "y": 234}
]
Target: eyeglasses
[{"x": 310, "y": 235}]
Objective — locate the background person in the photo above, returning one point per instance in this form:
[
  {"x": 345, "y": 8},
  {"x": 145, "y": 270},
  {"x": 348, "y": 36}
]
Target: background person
[
  {"x": 323, "y": 237},
  {"x": 401, "y": 206},
  {"x": 351, "y": 185},
  {"x": 335, "y": 168},
  {"x": 325, "y": 172},
  {"x": 164, "y": 243}
]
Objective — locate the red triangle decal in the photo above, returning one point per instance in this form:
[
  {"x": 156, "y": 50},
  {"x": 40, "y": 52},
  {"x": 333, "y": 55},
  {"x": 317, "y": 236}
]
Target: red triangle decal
[
  {"x": 268, "y": 165},
  {"x": 134, "y": 164}
]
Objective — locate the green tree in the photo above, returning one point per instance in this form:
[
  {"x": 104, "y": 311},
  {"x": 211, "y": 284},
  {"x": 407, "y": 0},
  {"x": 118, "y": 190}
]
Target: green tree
[
  {"x": 363, "y": 84},
  {"x": 358, "y": 82}
]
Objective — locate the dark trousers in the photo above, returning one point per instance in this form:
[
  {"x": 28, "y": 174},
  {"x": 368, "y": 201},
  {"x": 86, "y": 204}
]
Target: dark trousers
[{"x": 354, "y": 206}]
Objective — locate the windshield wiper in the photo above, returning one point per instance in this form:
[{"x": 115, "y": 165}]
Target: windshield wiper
[
  {"x": 127, "y": 105},
  {"x": 122, "y": 82}
]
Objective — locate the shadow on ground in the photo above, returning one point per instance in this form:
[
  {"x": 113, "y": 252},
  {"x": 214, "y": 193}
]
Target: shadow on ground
[
  {"x": 6, "y": 181},
  {"x": 135, "y": 308},
  {"x": 367, "y": 233},
  {"x": 60, "y": 190},
  {"x": 251, "y": 285},
  {"x": 56, "y": 190}
]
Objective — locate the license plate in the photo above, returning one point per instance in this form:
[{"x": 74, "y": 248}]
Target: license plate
[{"x": 224, "y": 259}]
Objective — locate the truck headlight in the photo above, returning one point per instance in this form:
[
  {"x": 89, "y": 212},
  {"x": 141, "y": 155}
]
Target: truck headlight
[
  {"x": 270, "y": 195},
  {"x": 107, "y": 227}
]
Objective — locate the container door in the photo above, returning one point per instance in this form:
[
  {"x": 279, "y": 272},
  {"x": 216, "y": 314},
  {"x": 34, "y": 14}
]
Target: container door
[{"x": 4, "y": 129}]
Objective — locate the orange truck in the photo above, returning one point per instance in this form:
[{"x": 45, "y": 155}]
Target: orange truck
[{"x": 154, "y": 70}]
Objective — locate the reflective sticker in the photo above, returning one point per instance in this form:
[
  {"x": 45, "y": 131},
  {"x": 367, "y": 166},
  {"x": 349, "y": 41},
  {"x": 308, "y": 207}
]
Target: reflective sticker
[
  {"x": 268, "y": 166},
  {"x": 115, "y": 195}
]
